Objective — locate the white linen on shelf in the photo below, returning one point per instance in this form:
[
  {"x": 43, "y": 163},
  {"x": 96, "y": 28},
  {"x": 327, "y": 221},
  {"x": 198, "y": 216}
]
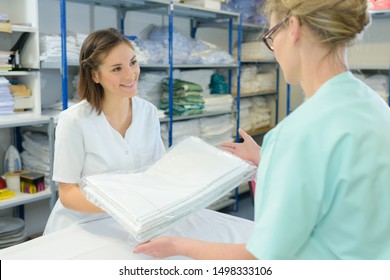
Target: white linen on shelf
[
  {"x": 6, "y": 99},
  {"x": 180, "y": 130},
  {"x": 255, "y": 50},
  {"x": 218, "y": 102},
  {"x": 199, "y": 76},
  {"x": 36, "y": 155},
  {"x": 254, "y": 114},
  {"x": 149, "y": 86},
  {"x": 215, "y": 130},
  {"x": 50, "y": 48}
]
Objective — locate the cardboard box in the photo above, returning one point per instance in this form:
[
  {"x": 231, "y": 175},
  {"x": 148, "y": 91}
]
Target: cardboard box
[
  {"x": 32, "y": 182},
  {"x": 209, "y": 4},
  {"x": 20, "y": 90}
]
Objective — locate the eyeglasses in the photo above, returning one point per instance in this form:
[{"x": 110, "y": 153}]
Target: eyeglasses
[{"x": 267, "y": 39}]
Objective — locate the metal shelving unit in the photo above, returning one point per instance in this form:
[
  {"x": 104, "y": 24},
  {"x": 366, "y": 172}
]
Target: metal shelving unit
[
  {"x": 171, "y": 10},
  {"x": 204, "y": 115},
  {"x": 274, "y": 93},
  {"x": 46, "y": 125},
  {"x": 25, "y": 14},
  {"x": 251, "y": 29}
]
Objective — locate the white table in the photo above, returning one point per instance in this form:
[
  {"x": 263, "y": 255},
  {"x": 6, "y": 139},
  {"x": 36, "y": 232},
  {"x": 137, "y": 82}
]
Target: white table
[{"x": 106, "y": 239}]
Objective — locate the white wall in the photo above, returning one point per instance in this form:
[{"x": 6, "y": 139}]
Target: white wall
[{"x": 373, "y": 50}]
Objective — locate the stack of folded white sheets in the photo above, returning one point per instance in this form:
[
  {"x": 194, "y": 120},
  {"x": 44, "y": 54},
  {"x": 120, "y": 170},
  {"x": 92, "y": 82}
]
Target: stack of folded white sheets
[
  {"x": 36, "y": 155},
  {"x": 190, "y": 176}
]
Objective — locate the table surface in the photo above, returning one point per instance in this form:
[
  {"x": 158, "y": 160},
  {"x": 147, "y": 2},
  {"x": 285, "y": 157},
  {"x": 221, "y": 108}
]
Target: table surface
[{"x": 106, "y": 239}]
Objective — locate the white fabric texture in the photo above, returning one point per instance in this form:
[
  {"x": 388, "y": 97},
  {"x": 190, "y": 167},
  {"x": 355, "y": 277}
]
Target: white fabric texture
[
  {"x": 51, "y": 48},
  {"x": 215, "y": 130},
  {"x": 149, "y": 86},
  {"x": 37, "y": 144},
  {"x": 255, "y": 80},
  {"x": 254, "y": 51},
  {"x": 254, "y": 114},
  {"x": 201, "y": 77},
  {"x": 218, "y": 102},
  {"x": 180, "y": 130},
  {"x": 192, "y": 175}
]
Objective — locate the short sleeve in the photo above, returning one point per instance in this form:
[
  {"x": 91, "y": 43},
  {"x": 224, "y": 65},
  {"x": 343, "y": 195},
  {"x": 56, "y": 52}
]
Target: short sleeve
[
  {"x": 69, "y": 151},
  {"x": 160, "y": 148}
]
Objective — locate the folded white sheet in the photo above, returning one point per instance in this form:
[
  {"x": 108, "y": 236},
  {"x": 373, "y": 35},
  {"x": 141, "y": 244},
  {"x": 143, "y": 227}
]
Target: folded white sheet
[{"x": 191, "y": 175}]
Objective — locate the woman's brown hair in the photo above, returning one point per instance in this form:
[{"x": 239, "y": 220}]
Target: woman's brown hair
[{"x": 93, "y": 51}]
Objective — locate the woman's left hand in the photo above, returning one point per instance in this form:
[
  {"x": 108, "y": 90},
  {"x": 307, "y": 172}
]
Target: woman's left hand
[
  {"x": 161, "y": 247},
  {"x": 248, "y": 150}
]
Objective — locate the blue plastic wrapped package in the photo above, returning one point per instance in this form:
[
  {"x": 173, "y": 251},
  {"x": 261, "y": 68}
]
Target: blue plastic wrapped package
[
  {"x": 207, "y": 53},
  {"x": 247, "y": 8}
]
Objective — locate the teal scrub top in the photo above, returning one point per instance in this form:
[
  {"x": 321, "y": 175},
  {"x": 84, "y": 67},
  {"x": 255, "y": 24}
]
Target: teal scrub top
[{"x": 323, "y": 183}]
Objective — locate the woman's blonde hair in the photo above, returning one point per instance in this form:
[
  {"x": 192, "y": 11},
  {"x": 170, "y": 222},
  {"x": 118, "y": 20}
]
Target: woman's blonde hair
[{"x": 334, "y": 22}]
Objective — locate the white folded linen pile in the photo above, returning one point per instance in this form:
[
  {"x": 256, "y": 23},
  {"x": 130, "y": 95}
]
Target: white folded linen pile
[
  {"x": 199, "y": 76},
  {"x": 7, "y": 102},
  {"x": 51, "y": 50},
  {"x": 190, "y": 176},
  {"x": 218, "y": 102},
  {"x": 149, "y": 86},
  {"x": 180, "y": 131},
  {"x": 215, "y": 130},
  {"x": 255, "y": 80},
  {"x": 255, "y": 50},
  {"x": 36, "y": 155}
]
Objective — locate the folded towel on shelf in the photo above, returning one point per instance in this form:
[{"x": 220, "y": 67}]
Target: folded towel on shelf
[
  {"x": 148, "y": 203},
  {"x": 180, "y": 130},
  {"x": 37, "y": 144},
  {"x": 218, "y": 102},
  {"x": 187, "y": 98},
  {"x": 255, "y": 50}
]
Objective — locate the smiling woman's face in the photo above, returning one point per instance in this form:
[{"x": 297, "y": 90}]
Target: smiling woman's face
[{"x": 119, "y": 72}]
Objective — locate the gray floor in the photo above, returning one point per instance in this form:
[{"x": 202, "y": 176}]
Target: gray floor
[{"x": 245, "y": 207}]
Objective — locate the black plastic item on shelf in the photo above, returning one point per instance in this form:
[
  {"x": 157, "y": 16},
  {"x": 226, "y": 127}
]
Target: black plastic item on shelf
[{"x": 17, "y": 49}]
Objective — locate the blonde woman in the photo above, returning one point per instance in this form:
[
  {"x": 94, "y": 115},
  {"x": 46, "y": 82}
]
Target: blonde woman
[{"x": 323, "y": 188}]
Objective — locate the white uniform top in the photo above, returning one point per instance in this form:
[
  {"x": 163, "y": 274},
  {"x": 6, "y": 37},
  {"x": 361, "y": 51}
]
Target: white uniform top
[{"x": 86, "y": 144}]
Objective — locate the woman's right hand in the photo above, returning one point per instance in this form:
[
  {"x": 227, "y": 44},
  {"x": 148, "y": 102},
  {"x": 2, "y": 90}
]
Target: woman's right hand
[{"x": 248, "y": 150}]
